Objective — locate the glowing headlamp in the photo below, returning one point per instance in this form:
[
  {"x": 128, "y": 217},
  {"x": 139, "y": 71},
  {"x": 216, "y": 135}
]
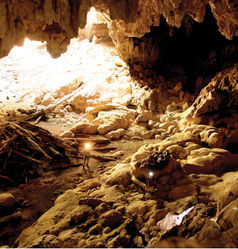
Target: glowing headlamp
[
  {"x": 87, "y": 146},
  {"x": 151, "y": 174}
]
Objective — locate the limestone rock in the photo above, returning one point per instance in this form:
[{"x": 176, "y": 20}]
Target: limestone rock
[
  {"x": 204, "y": 179},
  {"x": 99, "y": 96},
  {"x": 112, "y": 120},
  {"x": 90, "y": 184},
  {"x": 194, "y": 221},
  {"x": 120, "y": 175},
  {"x": 85, "y": 128},
  {"x": 120, "y": 240},
  {"x": 213, "y": 137},
  {"x": 219, "y": 96},
  {"x": 175, "y": 242},
  {"x": 66, "y": 235},
  {"x": 139, "y": 132},
  {"x": 109, "y": 193},
  {"x": 92, "y": 112},
  {"x": 79, "y": 214},
  {"x": 58, "y": 23},
  {"x": 102, "y": 208},
  {"x": 156, "y": 162},
  {"x": 111, "y": 218},
  {"x": 95, "y": 241},
  {"x": 138, "y": 207},
  {"x": 223, "y": 231},
  {"x": 53, "y": 221},
  {"x": 45, "y": 241},
  {"x": 149, "y": 15},
  {"x": 96, "y": 229},
  {"x": 146, "y": 116},
  {"x": 69, "y": 134},
  {"x": 118, "y": 154},
  {"x": 229, "y": 194},
  {"x": 57, "y": 31},
  {"x": 182, "y": 191},
  {"x": 205, "y": 160},
  {"x": 7, "y": 201},
  {"x": 117, "y": 134}
]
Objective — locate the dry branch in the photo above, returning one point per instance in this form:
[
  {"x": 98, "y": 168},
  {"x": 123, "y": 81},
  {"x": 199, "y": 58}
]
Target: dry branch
[{"x": 27, "y": 149}]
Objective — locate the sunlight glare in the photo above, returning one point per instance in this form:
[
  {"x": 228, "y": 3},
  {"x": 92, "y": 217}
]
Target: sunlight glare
[{"x": 30, "y": 72}]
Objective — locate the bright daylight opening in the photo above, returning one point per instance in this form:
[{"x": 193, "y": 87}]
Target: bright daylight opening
[{"x": 89, "y": 74}]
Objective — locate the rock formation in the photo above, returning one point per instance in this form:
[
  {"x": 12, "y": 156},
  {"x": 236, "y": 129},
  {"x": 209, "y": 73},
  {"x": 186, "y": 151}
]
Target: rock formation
[
  {"x": 58, "y": 21},
  {"x": 174, "y": 100}
]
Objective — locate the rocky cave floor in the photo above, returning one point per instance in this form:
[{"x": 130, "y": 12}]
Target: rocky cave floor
[{"x": 193, "y": 201}]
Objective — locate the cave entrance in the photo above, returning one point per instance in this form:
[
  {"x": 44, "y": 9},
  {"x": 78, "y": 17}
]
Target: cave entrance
[{"x": 89, "y": 74}]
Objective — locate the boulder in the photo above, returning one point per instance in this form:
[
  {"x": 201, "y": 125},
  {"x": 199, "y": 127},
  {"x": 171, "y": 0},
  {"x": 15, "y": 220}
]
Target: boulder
[
  {"x": 101, "y": 94},
  {"x": 120, "y": 175},
  {"x": 182, "y": 191},
  {"x": 85, "y": 128},
  {"x": 219, "y": 96},
  {"x": 154, "y": 162},
  {"x": 7, "y": 201},
  {"x": 117, "y": 134},
  {"x": 139, "y": 132},
  {"x": 112, "y": 120},
  {"x": 221, "y": 232},
  {"x": 213, "y": 137},
  {"x": 111, "y": 219},
  {"x": 145, "y": 117},
  {"x": 206, "y": 160},
  {"x": 69, "y": 134},
  {"x": 92, "y": 112},
  {"x": 54, "y": 221},
  {"x": 229, "y": 194},
  {"x": 137, "y": 207},
  {"x": 195, "y": 220}
]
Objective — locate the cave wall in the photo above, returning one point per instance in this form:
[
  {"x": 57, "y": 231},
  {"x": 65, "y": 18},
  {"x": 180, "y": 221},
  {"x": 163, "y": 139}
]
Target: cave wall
[
  {"x": 57, "y": 21},
  {"x": 149, "y": 13},
  {"x": 54, "y": 21}
]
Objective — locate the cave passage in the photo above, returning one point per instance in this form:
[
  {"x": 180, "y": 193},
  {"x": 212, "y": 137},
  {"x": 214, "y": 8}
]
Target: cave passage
[
  {"x": 195, "y": 50},
  {"x": 88, "y": 74},
  {"x": 127, "y": 139}
]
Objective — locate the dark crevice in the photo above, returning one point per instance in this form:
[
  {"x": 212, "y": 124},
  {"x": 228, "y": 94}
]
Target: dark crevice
[{"x": 192, "y": 51}]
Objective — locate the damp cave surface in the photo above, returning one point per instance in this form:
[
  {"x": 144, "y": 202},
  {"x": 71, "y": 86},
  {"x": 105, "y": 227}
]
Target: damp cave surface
[{"x": 94, "y": 144}]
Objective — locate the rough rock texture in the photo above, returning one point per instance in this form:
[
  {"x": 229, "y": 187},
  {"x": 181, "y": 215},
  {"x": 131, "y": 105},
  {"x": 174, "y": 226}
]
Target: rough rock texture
[
  {"x": 217, "y": 103},
  {"x": 186, "y": 148},
  {"x": 7, "y": 201},
  {"x": 175, "y": 242},
  {"x": 58, "y": 21},
  {"x": 112, "y": 120},
  {"x": 149, "y": 13},
  {"x": 53, "y": 21},
  {"x": 223, "y": 231},
  {"x": 192, "y": 145}
]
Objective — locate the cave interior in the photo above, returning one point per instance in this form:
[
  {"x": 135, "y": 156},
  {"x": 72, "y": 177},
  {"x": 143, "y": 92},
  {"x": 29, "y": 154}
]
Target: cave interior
[{"x": 116, "y": 115}]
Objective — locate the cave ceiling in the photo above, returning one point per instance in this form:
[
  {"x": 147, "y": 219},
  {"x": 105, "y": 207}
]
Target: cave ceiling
[{"x": 57, "y": 21}]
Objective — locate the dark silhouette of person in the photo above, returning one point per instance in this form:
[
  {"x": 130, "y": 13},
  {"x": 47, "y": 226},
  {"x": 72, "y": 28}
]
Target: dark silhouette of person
[{"x": 133, "y": 230}]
